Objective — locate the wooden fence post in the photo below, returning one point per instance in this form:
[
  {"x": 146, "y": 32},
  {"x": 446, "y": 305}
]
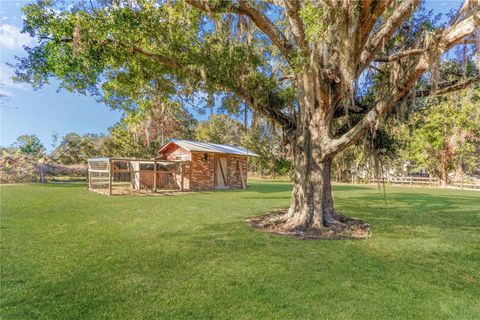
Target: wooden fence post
[
  {"x": 154, "y": 176},
  {"x": 110, "y": 176},
  {"x": 88, "y": 175},
  {"x": 41, "y": 171},
  {"x": 182, "y": 170}
]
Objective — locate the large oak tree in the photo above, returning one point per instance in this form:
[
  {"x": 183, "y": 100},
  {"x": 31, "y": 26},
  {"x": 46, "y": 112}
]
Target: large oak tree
[{"x": 325, "y": 71}]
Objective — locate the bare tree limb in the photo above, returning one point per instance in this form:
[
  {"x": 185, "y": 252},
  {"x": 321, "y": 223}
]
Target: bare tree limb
[
  {"x": 370, "y": 11},
  {"x": 469, "y": 41},
  {"x": 292, "y": 8},
  {"x": 448, "y": 88},
  {"x": 468, "y": 6},
  {"x": 460, "y": 30},
  {"x": 399, "y": 55},
  {"x": 374, "y": 43}
]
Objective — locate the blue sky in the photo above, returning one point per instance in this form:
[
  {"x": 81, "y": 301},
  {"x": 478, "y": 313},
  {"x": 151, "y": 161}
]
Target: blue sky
[{"x": 46, "y": 111}]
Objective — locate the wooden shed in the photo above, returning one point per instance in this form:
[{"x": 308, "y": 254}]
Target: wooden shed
[
  {"x": 212, "y": 166},
  {"x": 180, "y": 165}
]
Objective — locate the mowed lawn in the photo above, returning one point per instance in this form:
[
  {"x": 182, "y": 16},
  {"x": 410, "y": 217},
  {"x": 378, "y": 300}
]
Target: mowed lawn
[{"x": 67, "y": 253}]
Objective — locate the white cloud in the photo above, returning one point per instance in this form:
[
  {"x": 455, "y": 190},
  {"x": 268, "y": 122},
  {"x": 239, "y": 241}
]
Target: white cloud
[
  {"x": 5, "y": 93},
  {"x": 12, "y": 38},
  {"x": 6, "y": 74}
]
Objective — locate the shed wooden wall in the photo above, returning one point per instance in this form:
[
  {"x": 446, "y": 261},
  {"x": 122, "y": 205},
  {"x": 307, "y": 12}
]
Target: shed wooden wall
[{"x": 174, "y": 152}]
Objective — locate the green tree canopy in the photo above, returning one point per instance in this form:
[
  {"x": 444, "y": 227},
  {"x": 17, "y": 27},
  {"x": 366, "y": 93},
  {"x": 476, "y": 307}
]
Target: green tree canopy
[
  {"x": 30, "y": 144},
  {"x": 220, "y": 128},
  {"x": 76, "y": 149},
  {"x": 447, "y": 135}
]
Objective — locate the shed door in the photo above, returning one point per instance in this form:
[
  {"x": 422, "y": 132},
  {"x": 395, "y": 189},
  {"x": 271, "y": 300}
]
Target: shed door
[{"x": 221, "y": 173}]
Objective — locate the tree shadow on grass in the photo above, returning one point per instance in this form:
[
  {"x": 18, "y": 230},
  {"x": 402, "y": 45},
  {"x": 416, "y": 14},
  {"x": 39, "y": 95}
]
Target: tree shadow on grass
[
  {"x": 351, "y": 188},
  {"x": 415, "y": 209},
  {"x": 287, "y": 187},
  {"x": 270, "y": 187},
  {"x": 268, "y": 198},
  {"x": 78, "y": 185}
]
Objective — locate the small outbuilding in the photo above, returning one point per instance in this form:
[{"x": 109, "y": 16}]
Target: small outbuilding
[
  {"x": 211, "y": 165},
  {"x": 180, "y": 165}
]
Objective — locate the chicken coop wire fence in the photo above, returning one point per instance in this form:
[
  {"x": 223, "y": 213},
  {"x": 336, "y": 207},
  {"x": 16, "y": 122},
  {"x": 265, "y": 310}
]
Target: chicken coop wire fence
[{"x": 121, "y": 176}]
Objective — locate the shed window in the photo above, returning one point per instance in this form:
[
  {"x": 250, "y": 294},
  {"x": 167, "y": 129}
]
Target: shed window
[{"x": 205, "y": 156}]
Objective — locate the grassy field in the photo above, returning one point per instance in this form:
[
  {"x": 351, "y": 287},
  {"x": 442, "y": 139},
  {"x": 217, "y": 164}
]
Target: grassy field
[{"x": 67, "y": 253}]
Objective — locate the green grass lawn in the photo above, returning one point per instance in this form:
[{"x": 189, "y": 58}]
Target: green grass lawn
[{"x": 67, "y": 253}]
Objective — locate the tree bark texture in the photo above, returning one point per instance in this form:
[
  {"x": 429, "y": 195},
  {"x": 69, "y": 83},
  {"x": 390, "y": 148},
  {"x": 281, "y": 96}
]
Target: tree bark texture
[{"x": 312, "y": 201}]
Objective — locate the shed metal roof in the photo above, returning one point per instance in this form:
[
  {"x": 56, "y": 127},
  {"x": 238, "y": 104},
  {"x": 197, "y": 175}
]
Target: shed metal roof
[
  {"x": 197, "y": 146},
  {"x": 99, "y": 159}
]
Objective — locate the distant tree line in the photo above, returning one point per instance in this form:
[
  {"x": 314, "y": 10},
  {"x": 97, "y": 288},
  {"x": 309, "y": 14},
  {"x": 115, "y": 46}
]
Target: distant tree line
[
  {"x": 140, "y": 134},
  {"x": 441, "y": 140}
]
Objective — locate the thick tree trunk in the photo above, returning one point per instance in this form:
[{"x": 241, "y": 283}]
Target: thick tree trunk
[
  {"x": 313, "y": 149},
  {"x": 312, "y": 201}
]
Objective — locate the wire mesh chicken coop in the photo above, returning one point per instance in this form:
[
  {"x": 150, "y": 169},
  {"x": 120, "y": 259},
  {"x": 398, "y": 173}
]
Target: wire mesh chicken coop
[{"x": 122, "y": 175}]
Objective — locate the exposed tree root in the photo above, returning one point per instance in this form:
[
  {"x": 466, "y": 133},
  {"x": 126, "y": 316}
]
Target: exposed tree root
[{"x": 346, "y": 229}]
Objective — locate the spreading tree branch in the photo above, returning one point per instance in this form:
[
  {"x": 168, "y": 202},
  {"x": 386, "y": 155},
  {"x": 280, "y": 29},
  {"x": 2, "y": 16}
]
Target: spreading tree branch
[
  {"x": 399, "y": 55},
  {"x": 467, "y": 7},
  {"x": 370, "y": 11},
  {"x": 262, "y": 22},
  {"x": 442, "y": 43},
  {"x": 292, "y": 8},
  {"x": 374, "y": 43},
  {"x": 457, "y": 32},
  {"x": 167, "y": 61},
  {"x": 269, "y": 111},
  {"x": 448, "y": 88}
]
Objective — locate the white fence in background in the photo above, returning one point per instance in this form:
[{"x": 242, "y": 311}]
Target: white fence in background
[{"x": 467, "y": 183}]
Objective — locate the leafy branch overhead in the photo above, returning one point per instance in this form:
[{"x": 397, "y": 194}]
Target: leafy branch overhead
[{"x": 243, "y": 47}]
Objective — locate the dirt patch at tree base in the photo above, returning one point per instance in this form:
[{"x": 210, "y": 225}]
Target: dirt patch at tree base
[{"x": 348, "y": 229}]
